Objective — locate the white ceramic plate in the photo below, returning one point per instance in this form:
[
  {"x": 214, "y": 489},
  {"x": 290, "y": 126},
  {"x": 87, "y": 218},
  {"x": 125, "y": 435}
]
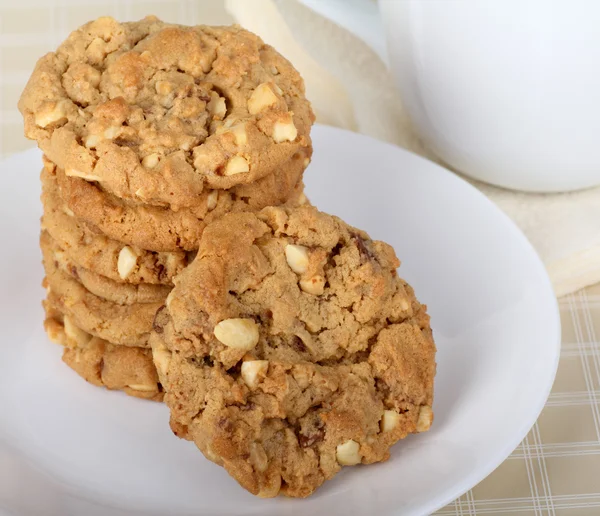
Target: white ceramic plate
[{"x": 70, "y": 448}]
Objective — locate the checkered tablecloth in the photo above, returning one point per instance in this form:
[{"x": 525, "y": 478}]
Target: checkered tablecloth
[{"x": 556, "y": 469}]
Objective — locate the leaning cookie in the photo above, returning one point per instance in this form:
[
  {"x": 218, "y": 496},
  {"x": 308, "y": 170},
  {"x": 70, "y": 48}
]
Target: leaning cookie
[
  {"x": 127, "y": 325},
  {"x": 162, "y": 229},
  {"x": 103, "y": 364},
  {"x": 290, "y": 347},
  {"x": 159, "y": 112},
  {"x": 96, "y": 252}
]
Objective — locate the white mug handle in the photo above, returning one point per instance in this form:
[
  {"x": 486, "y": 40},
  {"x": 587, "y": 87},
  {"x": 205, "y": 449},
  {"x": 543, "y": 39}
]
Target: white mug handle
[{"x": 361, "y": 17}]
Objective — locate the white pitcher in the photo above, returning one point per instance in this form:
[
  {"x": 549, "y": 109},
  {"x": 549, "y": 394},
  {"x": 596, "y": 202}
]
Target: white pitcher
[{"x": 506, "y": 91}]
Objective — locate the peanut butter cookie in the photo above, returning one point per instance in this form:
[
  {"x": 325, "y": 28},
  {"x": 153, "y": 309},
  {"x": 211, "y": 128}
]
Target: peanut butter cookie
[
  {"x": 290, "y": 348},
  {"x": 157, "y": 112}
]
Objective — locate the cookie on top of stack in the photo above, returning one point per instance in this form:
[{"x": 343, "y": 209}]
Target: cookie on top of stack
[{"x": 150, "y": 131}]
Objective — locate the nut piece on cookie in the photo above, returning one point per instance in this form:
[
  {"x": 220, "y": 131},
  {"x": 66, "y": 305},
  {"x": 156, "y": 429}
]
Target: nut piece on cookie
[
  {"x": 92, "y": 140},
  {"x": 162, "y": 358},
  {"x": 258, "y": 457},
  {"x": 126, "y": 262},
  {"x": 297, "y": 258},
  {"x": 76, "y": 336},
  {"x": 151, "y": 160},
  {"x": 240, "y": 135},
  {"x": 68, "y": 211},
  {"x": 284, "y": 131},
  {"x": 262, "y": 98},
  {"x": 253, "y": 371},
  {"x": 216, "y": 107},
  {"x": 314, "y": 285},
  {"x": 236, "y": 165},
  {"x": 49, "y": 113},
  {"x": 211, "y": 200},
  {"x": 142, "y": 388},
  {"x": 237, "y": 333},
  {"x": 347, "y": 454},
  {"x": 112, "y": 132},
  {"x": 425, "y": 419},
  {"x": 389, "y": 420},
  {"x": 73, "y": 172}
]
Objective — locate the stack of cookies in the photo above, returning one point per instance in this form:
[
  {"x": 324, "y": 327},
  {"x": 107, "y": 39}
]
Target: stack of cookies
[
  {"x": 150, "y": 131},
  {"x": 183, "y": 262}
]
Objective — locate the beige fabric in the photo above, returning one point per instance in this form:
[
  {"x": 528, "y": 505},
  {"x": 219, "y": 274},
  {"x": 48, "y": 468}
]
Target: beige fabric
[{"x": 556, "y": 470}]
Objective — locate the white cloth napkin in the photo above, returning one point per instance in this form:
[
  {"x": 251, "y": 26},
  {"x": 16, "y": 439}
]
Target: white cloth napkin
[{"x": 350, "y": 87}]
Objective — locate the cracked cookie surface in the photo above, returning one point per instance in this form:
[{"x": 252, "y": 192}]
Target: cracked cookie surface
[
  {"x": 157, "y": 112},
  {"x": 290, "y": 347}
]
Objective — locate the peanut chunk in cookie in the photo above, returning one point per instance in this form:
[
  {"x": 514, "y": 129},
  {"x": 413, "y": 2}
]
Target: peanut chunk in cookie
[
  {"x": 389, "y": 420},
  {"x": 262, "y": 98},
  {"x": 284, "y": 131},
  {"x": 72, "y": 172},
  {"x": 297, "y": 258},
  {"x": 425, "y": 419},
  {"x": 50, "y": 112},
  {"x": 258, "y": 457},
  {"x": 162, "y": 358},
  {"x": 237, "y": 333},
  {"x": 237, "y": 165},
  {"x": 126, "y": 262},
  {"x": 348, "y": 453},
  {"x": 217, "y": 107},
  {"x": 151, "y": 160},
  {"x": 240, "y": 135},
  {"x": 77, "y": 337},
  {"x": 211, "y": 200},
  {"x": 142, "y": 388},
  {"x": 314, "y": 285},
  {"x": 253, "y": 371}
]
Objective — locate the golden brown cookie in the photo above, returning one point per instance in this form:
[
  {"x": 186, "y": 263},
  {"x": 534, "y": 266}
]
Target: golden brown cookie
[
  {"x": 159, "y": 112},
  {"x": 290, "y": 347},
  {"x": 162, "y": 229},
  {"x": 128, "y": 325},
  {"x": 96, "y": 252},
  {"x": 103, "y": 364},
  {"x": 101, "y": 286}
]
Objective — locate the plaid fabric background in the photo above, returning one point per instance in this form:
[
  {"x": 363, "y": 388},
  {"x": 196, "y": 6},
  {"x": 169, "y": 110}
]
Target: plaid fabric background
[{"x": 556, "y": 469}]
